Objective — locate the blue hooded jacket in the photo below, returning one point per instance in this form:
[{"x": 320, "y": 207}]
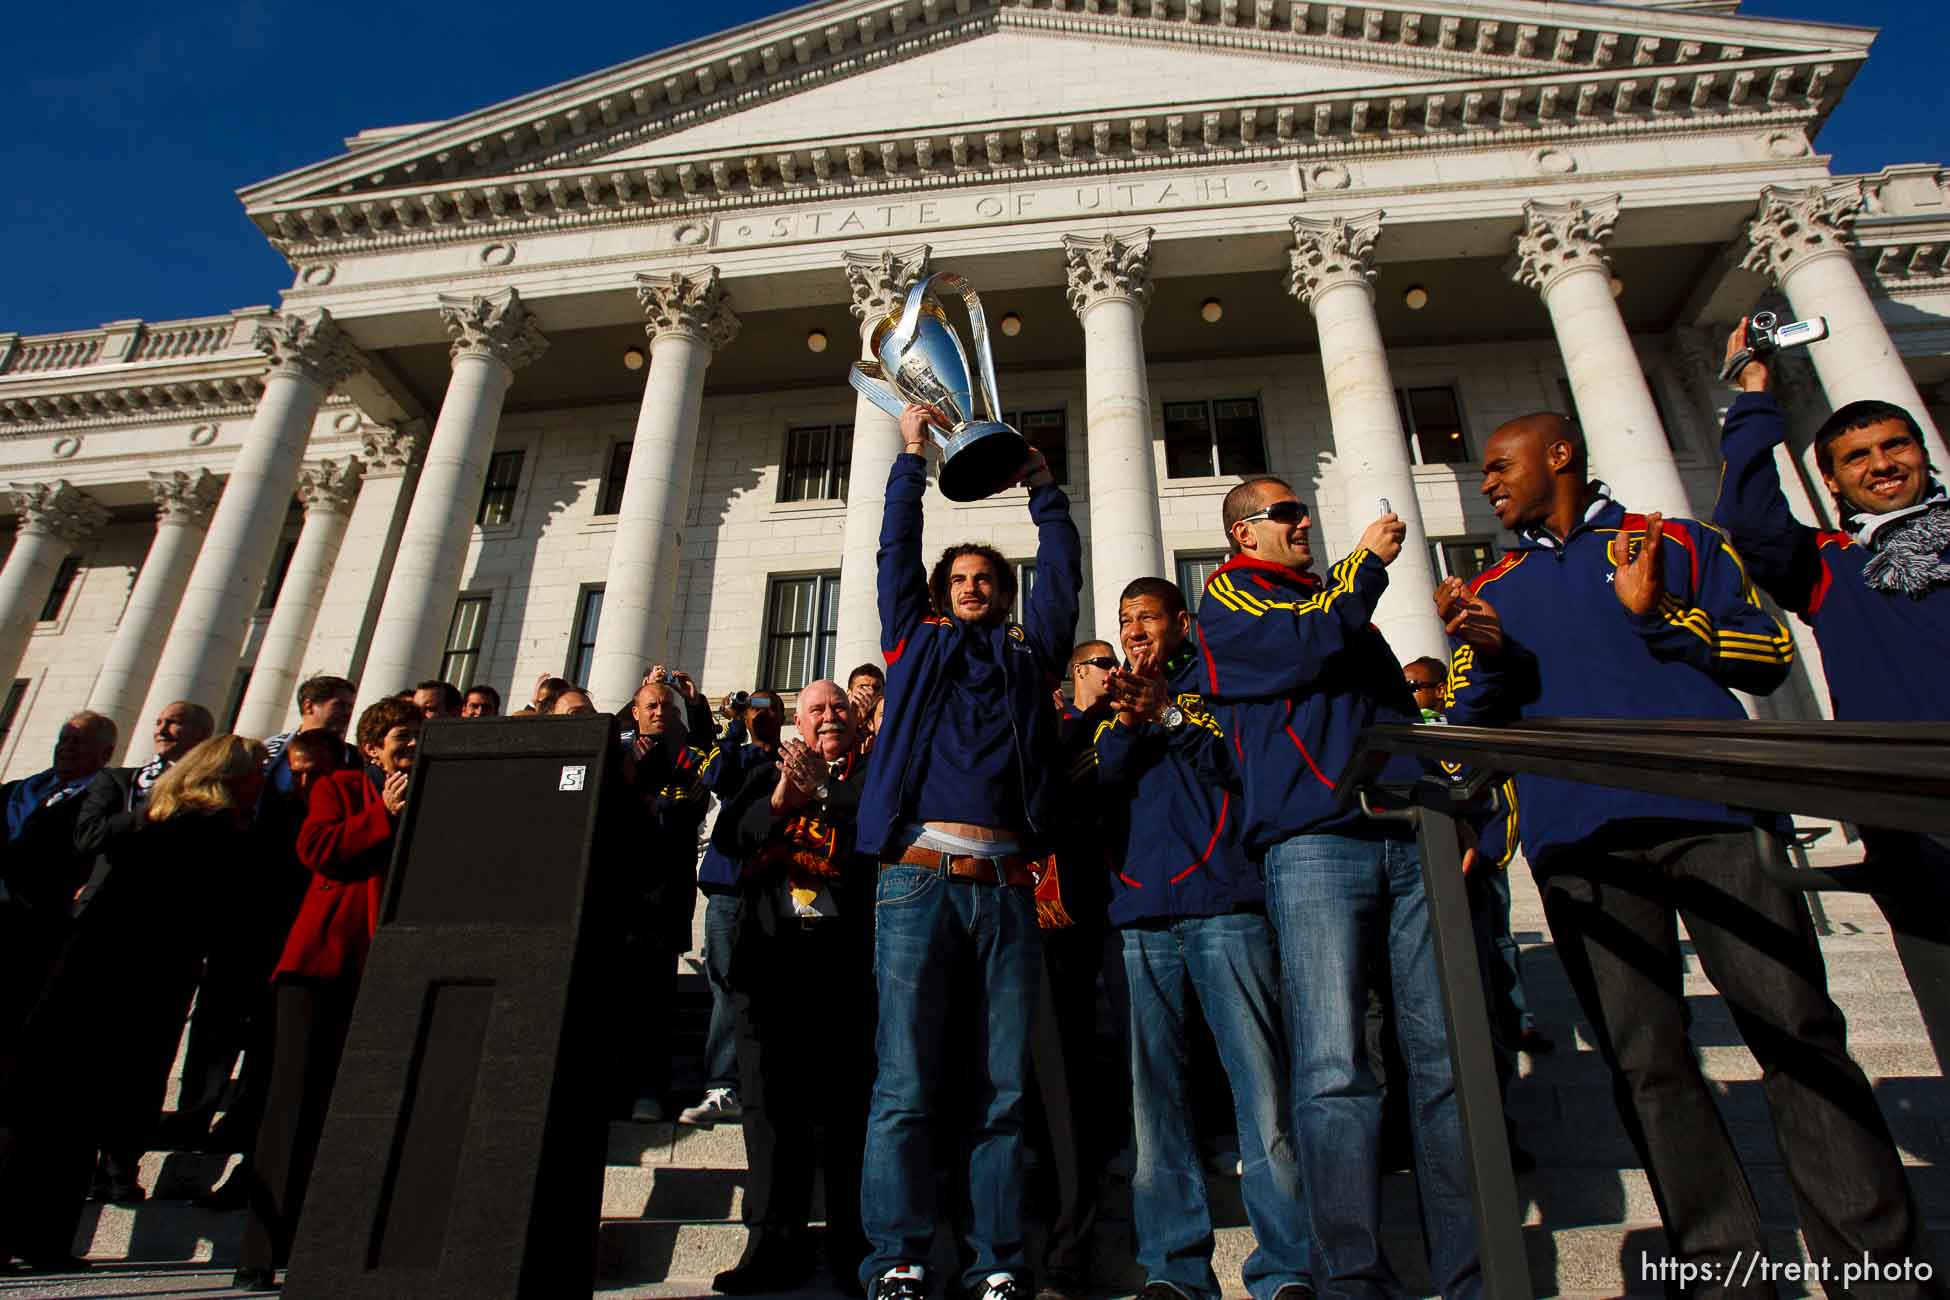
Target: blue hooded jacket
[
  {"x": 1879, "y": 648},
  {"x": 1299, "y": 672},
  {"x": 1572, "y": 650},
  {"x": 918, "y": 644}
]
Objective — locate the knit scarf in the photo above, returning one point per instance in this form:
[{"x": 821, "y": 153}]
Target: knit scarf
[{"x": 1907, "y": 546}]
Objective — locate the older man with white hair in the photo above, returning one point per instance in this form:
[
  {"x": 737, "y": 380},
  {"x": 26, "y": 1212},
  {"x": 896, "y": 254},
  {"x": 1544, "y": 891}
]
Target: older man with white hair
[{"x": 801, "y": 976}]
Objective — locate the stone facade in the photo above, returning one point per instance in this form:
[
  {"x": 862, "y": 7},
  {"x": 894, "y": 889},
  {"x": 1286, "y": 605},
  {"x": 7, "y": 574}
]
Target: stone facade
[{"x": 1310, "y": 207}]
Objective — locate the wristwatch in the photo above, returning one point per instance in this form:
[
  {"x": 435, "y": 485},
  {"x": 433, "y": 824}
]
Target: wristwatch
[{"x": 1172, "y": 718}]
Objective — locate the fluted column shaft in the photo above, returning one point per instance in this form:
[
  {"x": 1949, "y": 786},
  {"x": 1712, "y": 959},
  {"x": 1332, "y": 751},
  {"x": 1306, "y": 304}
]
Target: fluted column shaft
[
  {"x": 1332, "y": 272},
  {"x": 690, "y": 317},
  {"x": 309, "y": 356},
  {"x": 1109, "y": 286},
  {"x": 1802, "y": 239},
  {"x": 879, "y": 282},
  {"x": 493, "y": 337},
  {"x": 54, "y": 518},
  {"x": 183, "y": 505},
  {"x": 327, "y": 491},
  {"x": 1560, "y": 253}
]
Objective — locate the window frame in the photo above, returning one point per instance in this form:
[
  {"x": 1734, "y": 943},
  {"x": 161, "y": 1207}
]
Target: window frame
[
  {"x": 1211, "y": 405},
  {"x": 1179, "y": 559},
  {"x": 1406, "y": 412},
  {"x": 836, "y": 472},
  {"x": 67, "y": 575},
  {"x": 612, "y": 481},
  {"x": 584, "y": 594},
  {"x": 769, "y": 638},
  {"x": 489, "y": 488},
  {"x": 1438, "y": 563},
  {"x": 478, "y": 650},
  {"x": 1015, "y": 419}
]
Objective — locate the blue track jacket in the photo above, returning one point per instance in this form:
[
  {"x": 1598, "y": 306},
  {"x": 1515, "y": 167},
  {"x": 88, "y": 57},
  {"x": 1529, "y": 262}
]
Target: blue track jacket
[
  {"x": 1171, "y": 812},
  {"x": 1298, "y": 672},
  {"x": 1571, "y": 650},
  {"x": 918, "y": 642},
  {"x": 1879, "y": 648}
]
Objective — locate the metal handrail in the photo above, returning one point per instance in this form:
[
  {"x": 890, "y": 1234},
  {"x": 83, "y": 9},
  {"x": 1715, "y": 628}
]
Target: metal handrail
[{"x": 1893, "y": 775}]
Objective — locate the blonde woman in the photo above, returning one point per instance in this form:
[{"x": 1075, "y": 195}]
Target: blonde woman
[{"x": 98, "y": 1048}]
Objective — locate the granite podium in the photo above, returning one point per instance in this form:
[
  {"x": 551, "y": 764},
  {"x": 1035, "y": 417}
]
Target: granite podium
[{"x": 463, "y": 1153}]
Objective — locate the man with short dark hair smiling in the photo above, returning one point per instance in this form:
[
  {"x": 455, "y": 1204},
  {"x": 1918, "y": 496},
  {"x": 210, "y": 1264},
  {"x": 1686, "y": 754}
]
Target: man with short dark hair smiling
[
  {"x": 1601, "y": 612},
  {"x": 959, "y": 788}
]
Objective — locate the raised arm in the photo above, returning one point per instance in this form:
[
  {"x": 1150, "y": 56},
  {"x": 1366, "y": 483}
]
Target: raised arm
[
  {"x": 1256, "y": 647},
  {"x": 1782, "y": 553},
  {"x": 1050, "y": 613},
  {"x": 903, "y": 578},
  {"x": 1701, "y": 609}
]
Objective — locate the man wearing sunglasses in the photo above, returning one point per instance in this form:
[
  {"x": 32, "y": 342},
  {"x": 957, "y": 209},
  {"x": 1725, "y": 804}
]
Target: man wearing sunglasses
[{"x": 1299, "y": 672}]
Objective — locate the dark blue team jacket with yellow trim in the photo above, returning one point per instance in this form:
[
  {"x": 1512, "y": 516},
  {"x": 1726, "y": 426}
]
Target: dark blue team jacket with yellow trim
[
  {"x": 1879, "y": 648},
  {"x": 1571, "y": 650},
  {"x": 1298, "y": 671},
  {"x": 1171, "y": 812},
  {"x": 918, "y": 644}
]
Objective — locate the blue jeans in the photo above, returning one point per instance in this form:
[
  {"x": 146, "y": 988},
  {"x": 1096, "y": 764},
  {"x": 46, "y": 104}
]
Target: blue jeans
[
  {"x": 1230, "y": 965},
  {"x": 932, "y": 934},
  {"x": 1332, "y": 899},
  {"x": 721, "y": 1039}
]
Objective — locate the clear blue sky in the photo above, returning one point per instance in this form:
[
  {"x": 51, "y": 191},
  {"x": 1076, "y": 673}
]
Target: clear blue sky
[{"x": 130, "y": 126}]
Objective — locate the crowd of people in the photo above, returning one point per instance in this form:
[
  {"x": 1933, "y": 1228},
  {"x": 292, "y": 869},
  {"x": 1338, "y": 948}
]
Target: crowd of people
[{"x": 922, "y": 890}]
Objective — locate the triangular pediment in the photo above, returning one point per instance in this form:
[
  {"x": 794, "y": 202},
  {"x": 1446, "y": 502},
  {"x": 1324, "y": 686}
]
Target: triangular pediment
[{"x": 872, "y": 92}]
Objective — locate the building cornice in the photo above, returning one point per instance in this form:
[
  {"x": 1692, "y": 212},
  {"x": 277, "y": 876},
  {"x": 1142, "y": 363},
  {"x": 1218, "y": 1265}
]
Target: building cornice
[{"x": 1791, "y": 93}]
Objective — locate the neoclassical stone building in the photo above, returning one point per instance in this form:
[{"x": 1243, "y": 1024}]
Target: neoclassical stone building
[{"x": 559, "y": 386}]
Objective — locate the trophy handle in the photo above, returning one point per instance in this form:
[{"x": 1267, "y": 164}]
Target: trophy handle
[
  {"x": 986, "y": 389},
  {"x": 866, "y": 380}
]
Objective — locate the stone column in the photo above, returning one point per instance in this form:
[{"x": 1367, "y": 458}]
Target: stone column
[
  {"x": 879, "y": 282},
  {"x": 1801, "y": 241},
  {"x": 493, "y": 336},
  {"x": 54, "y": 518},
  {"x": 1109, "y": 284},
  {"x": 326, "y": 490},
  {"x": 1561, "y": 254},
  {"x": 690, "y": 318},
  {"x": 1332, "y": 272},
  {"x": 309, "y": 356},
  {"x": 184, "y": 501}
]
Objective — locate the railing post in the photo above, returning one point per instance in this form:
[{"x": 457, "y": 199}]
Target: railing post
[{"x": 1479, "y": 1099}]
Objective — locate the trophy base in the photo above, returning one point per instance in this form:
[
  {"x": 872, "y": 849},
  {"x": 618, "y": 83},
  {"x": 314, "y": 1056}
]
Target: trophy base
[{"x": 979, "y": 458}]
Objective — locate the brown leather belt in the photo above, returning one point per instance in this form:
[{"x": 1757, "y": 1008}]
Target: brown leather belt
[{"x": 1010, "y": 870}]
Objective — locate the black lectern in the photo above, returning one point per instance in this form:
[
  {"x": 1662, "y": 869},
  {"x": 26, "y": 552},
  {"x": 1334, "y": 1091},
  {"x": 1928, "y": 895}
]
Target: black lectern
[{"x": 463, "y": 1154}]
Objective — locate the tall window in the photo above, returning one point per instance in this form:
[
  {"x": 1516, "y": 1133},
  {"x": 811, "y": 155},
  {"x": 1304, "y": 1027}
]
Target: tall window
[
  {"x": 460, "y": 662},
  {"x": 11, "y": 709},
  {"x": 1461, "y": 557},
  {"x": 1432, "y": 419},
  {"x": 1194, "y": 568},
  {"x": 611, "y": 499},
  {"x": 802, "y": 627},
  {"x": 1025, "y": 583},
  {"x": 238, "y": 688},
  {"x": 267, "y": 599},
  {"x": 1048, "y": 433},
  {"x": 63, "y": 583},
  {"x": 589, "y": 617},
  {"x": 1218, "y": 437},
  {"x": 817, "y": 458},
  {"x": 498, "y": 497}
]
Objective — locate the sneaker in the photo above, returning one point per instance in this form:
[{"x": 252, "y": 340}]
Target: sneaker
[
  {"x": 648, "y": 1110},
  {"x": 1224, "y": 1162},
  {"x": 1003, "y": 1286},
  {"x": 720, "y": 1106},
  {"x": 904, "y": 1282}
]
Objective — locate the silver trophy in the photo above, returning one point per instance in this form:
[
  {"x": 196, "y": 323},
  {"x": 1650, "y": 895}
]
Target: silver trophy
[{"x": 922, "y": 363}]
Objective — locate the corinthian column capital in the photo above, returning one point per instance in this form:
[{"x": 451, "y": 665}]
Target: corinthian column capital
[
  {"x": 1559, "y": 238},
  {"x": 1332, "y": 251},
  {"x": 330, "y": 485},
  {"x": 184, "y": 496},
  {"x": 309, "y": 344},
  {"x": 881, "y": 280},
  {"x": 1794, "y": 227},
  {"x": 1112, "y": 267},
  {"x": 496, "y": 325},
  {"x": 389, "y": 450},
  {"x": 693, "y": 304},
  {"x": 58, "y": 509}
]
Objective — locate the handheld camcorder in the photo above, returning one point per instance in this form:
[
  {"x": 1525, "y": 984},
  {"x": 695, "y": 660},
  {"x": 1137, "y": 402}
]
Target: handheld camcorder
[{"x": 1766, "y": 336}]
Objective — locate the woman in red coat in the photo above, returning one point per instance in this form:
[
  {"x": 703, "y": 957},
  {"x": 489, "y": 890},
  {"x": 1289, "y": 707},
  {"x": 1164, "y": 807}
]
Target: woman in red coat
[{"x": 346, "y": 841}]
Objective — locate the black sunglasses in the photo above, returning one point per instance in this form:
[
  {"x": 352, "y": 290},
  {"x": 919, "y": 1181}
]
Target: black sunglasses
[
  {"x": 1104, "y": 662},
  {"x": 1284, "y": 513}
]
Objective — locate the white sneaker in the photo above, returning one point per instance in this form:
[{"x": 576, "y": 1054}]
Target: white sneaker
[
  {"x": 648, "y": 1110},
  {"x": 720, "y": 1106},
  {"x": 1224, "y": 1162},
  {"x": 1004, "y": 1286}
]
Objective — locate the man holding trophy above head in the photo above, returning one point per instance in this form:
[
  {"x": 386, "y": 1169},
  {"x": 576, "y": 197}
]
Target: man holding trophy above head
[{"x": 959, "y": 788}]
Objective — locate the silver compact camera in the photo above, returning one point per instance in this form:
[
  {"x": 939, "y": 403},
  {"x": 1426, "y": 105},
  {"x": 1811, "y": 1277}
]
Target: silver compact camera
[{"x": 1766, "y": 336}]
